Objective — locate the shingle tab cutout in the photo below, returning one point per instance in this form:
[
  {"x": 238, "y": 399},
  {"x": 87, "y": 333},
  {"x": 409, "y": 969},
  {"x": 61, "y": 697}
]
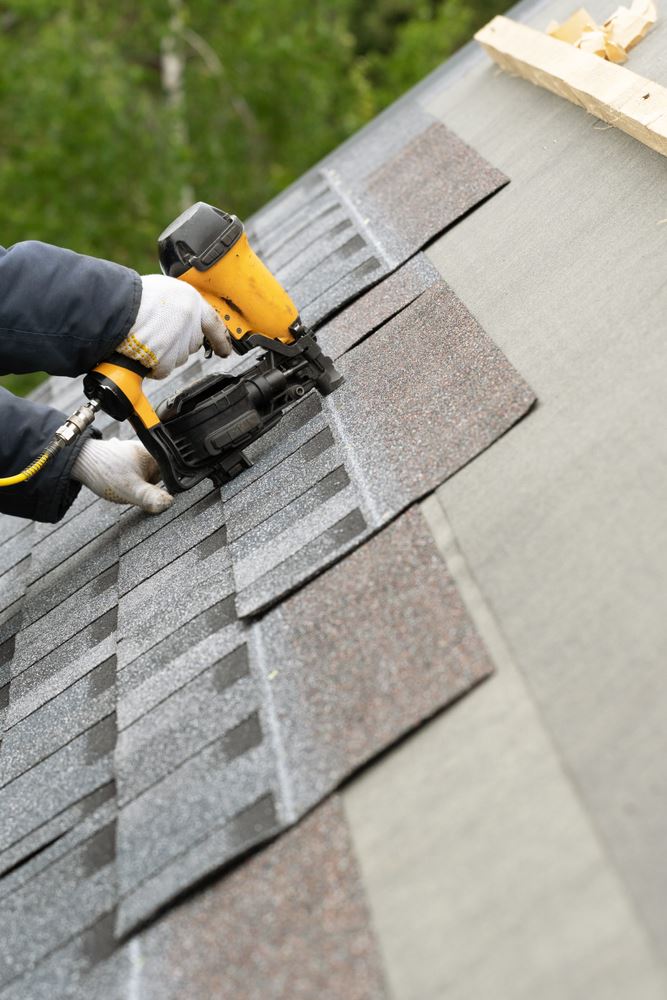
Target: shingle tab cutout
[
  {"x": 54, "y": 898},
  {"x": 58, "y": 721},
  {"x": 301, "y": 898},
  {"x": 422, "y": 396},
  {"x": 57, "y": 910}
]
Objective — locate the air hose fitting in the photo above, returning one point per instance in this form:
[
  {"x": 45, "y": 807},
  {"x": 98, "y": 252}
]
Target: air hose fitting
[{"x": 68, "y": 432}]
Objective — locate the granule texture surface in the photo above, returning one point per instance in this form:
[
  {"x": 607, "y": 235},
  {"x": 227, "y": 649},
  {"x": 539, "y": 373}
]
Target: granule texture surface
[
  {"x": 350, "y": 223},
  {"x": 50, "y": 900},
  {"x": 376, "y": 306},
  {"x": 422, "y": 396},
  {"x": 365, "y": 653},
  {"x": 291, "y": 922},
  {"x": 431, "y": 183},
  {"x": 247, "y": 714}
]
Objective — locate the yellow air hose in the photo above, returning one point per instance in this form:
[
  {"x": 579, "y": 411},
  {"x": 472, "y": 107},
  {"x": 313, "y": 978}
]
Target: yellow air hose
[
  {"x": 68, "y": 432},
  {"x": 32, "y": 469}
]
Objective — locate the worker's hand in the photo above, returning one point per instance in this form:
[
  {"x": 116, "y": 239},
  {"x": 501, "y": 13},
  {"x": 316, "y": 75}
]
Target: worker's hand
[
  {"x": 123, "y": 472},
  {"x": 171, "y": 324}
]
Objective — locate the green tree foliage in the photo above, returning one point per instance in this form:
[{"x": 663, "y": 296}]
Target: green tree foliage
[
  {"x": 415, "y": 38},
  {"x": 82, "y": 121},
  {"x": 113, "y": 115},
  {"x": 270, "y": 89}
]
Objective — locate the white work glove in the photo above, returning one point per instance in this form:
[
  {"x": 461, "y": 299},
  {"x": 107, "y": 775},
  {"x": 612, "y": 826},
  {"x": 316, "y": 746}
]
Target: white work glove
[
  {"x": 121, "y": 471},
  {"x": 171, "y": 324}
]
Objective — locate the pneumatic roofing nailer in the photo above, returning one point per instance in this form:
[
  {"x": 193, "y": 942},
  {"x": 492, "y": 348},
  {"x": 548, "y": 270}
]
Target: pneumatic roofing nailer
[{"x": 202, "y": 430}]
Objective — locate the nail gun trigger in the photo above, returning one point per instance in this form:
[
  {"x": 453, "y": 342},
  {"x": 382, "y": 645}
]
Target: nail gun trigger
[{"x": 208, "y": 350}]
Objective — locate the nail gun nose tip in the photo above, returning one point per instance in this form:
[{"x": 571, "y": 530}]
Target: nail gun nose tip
[{"x": 328, "y": 385}]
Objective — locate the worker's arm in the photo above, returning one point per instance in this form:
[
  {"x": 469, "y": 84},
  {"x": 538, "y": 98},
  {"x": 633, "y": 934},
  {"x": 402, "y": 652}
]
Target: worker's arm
[
  {"x": 26, "y": 427},
  {"x": 121, "y": 471},
  {"x": 63, "y": 313},
  {"x": 60, "y": 312}
]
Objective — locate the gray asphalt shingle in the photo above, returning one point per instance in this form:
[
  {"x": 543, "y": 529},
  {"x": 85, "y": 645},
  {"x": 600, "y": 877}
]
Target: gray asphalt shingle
[
  {"x": 57, "y": 670},
  {"x": 422, "y": 396},
  {"x": 240, "y": 729},
  {"x": 52, "y": 903},
  {"x": 369, "y": 216},
  {"x": 312, "y": 940},
  {"x": 57, "y": 903},
  {"x": 59, "y": 623},
  {"x": 57, "y": 782},
  {"x": 75, "y": 710},
  {"x": 376, "y": 306}
]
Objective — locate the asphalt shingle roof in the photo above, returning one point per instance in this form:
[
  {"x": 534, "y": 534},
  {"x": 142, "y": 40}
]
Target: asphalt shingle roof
[{"x": 166, "y": 704}]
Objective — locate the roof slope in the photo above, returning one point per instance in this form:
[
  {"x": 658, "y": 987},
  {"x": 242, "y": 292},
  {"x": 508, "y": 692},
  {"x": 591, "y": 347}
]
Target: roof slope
[{"x": 158, "y": 720}]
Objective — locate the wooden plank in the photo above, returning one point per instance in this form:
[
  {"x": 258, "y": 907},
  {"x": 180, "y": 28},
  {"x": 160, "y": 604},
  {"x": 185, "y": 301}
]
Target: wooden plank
[{"x": 613, "y": 93}]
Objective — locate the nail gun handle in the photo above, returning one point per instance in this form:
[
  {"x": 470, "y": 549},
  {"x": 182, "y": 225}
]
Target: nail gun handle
[
  {"x": 118, "y": 385},
  {"x": 234, "y": 320},
  {"x": 209, "y": 249}
]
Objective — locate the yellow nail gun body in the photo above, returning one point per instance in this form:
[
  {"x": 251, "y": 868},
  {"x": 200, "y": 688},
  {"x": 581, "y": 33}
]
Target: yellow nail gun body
[{"x": 201, "y": 431}]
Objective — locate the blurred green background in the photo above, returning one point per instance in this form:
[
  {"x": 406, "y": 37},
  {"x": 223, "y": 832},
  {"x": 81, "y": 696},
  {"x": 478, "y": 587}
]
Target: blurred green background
[{"x": 114, "y": 116}]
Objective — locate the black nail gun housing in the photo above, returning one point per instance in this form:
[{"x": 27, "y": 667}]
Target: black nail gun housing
[{"x": 204, "y": 428}]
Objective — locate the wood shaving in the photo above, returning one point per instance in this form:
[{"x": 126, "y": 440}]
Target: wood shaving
[
  {"x": 611, "y": 40},
  {"x": 571, "y": 30},
  {"x": 627, "y": 26}
]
